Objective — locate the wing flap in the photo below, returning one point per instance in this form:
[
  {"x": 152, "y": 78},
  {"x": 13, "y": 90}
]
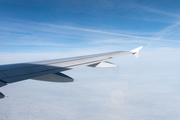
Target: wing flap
[
  {"x": 103, "y": 64},
  {"x": 1, "y": 95},
  {"x": 56, "y": 77}
]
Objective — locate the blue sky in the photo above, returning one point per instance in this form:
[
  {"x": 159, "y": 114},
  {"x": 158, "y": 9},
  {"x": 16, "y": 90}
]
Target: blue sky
[
  {"x": 54, "y": 26},
  {"x": 138, "y": 89}
]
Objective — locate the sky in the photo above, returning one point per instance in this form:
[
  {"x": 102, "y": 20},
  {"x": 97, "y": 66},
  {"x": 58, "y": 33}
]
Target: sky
[{"x": 143, "y": 88}]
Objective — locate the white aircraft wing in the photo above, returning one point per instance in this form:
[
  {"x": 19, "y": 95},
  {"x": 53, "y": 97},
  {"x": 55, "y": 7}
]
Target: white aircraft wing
[{"x": 50, "y": 70}]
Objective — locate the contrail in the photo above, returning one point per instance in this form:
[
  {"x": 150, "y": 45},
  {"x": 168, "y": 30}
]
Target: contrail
[{"x": 110, "y": 33}]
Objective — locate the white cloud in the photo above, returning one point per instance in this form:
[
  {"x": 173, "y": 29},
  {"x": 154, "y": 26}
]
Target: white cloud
[
  {"x": 42, "y": 35},
  {"x": 157, "y": 11},
  {"x": 112, "y": 33},
  {"x": 31, "y": 43},
  {"x": 142, "y": 88},
  {"x": 168, "y": 29}
]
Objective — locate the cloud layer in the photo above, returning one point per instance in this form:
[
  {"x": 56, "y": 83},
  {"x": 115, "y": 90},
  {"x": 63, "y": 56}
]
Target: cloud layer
[{"x": 144, "y": 88}]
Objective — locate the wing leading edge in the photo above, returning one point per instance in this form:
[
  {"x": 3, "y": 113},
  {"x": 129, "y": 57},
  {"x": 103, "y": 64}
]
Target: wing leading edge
[{"x": 49, "y": 70}]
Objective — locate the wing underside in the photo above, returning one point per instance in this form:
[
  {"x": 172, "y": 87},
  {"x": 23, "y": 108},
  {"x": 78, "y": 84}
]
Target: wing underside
[
  {"x": 17, "y": 72},
  {"x": 50, "y": 70}
]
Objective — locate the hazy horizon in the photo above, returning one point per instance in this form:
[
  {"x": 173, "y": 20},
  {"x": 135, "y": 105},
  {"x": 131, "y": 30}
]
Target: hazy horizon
[{"x": 143, "y": 88}]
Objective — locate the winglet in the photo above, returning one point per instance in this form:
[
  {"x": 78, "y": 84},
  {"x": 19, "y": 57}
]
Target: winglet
[{"x": 135, "y": 52}]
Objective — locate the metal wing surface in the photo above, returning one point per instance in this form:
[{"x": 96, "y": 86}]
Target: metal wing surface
[
  {"x": 50, "y": 70},
  {"x": 42, "y": 69}
]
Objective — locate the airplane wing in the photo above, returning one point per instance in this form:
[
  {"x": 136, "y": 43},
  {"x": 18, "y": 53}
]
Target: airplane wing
[{"x": 50, "y": 70}]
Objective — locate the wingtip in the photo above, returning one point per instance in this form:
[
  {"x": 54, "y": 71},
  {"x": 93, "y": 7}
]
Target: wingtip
[
  {"x": 137, "y": 49},
  {"x": 135, "y": 52}
]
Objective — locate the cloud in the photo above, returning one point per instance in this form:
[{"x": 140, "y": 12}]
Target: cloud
[
  {"x": 118, "y": 41},
  {"x": 145, "y": 11},
  {"x": 110, "y": 33},
  {"x": 153, "y": 10},
  {"x": 143, "y": 88},
  {"x": 168, "y": 29},
  {"x": 30, "y": 43},
  {"x": 58, "y": 35}
]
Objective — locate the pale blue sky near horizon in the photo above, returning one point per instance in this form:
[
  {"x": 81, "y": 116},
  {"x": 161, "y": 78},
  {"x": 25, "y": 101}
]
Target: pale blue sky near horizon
[{"x": 140, "y": 89}]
